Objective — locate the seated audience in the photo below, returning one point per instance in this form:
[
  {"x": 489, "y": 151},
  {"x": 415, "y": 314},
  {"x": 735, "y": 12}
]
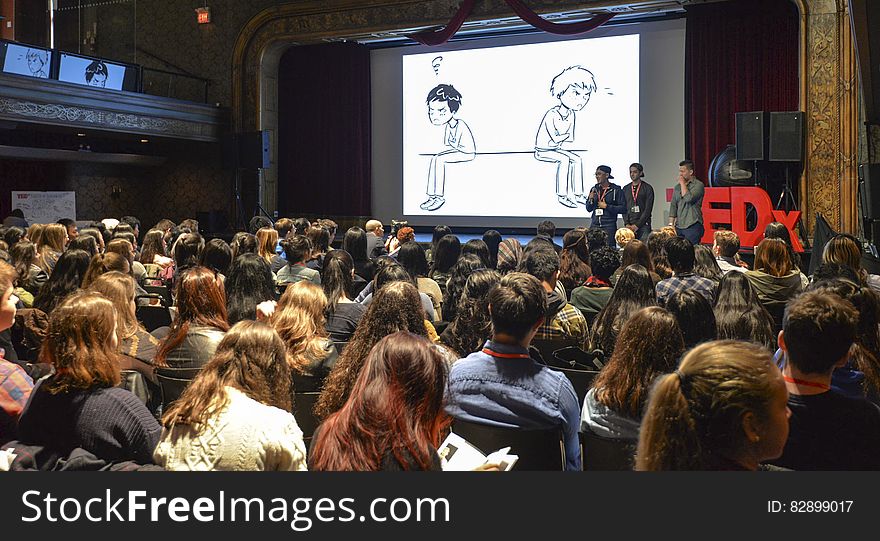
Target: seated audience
[
  {"x": 393, "y": 418},
  {"x": 299, "y": 320},
  {"x": 846, "y": 250},
  {"x": 706, "y": 265},
  {"x": 510, "y": 254},
  {"x": 574, "y": 260},
  {"x": 739, "y": 314},
  {"x": 200, "y": 324},
  {"x": 133, "y": 340},
  {"x": 103, "y": 263},
  {"x": 29, "y": 277},
  {"x": 694, "y": 315},
  {"x": 66, "y": 278},
  {"x": 562, "y": 320},
  {"x": 343, "y": 313},
  {"x": 85, "y": 242},
  {"x": 773, "y": 278},
  {"x": 633, "y": 292},
  {"x": 375, "y": 239},
  {"x": 439, "y": 232},
  {"x": 240, "y": 402},
  {"x": 297, "y": 250},
  {"x": 320, "y": 239},
  {"x": 501, "y": 385},
  {"x": 153, "y": 249},
  {"x": 657, "y": 247},
  {"x": 404, "y": 235},
  {"x": 217, "y": 256},
  {"x": 478, "y": 248},
  {"x": 466, "y": 264},
  {"x": 126, "y": 250},
  {"x": 594, "y": 294},
  {"x": 636, "y": 253},
  {"x": 411, "y": 257},
  {"x": 243, "y": 243},
  {"x": 623, "y": 236},
  {"x": 777, "y": 230},
  {"x": 547, "y": 231},
  {"x": 397, "y": 308},
  {"x": 471, "y": 327},
  {"x": 15, "y": 384},
  {"x": 446, "y": 255},
  {"x": 724, "y": 408},
  {"x": 596, "y": 238},
  {"x": 81, "y": 405},
  {"x": 392, "y": 272},
  {"x": 726, "y": 249},
  {"x": 680, "y": 253},
  {"x": 829, "y": 431},
  {"x": 492, "y": 238},
  {"x": 52, "y": 242},
  {"x": 650, "y": 345},
  {"x": 355, "y": 243},
  {"x": 248, "y": 284}
]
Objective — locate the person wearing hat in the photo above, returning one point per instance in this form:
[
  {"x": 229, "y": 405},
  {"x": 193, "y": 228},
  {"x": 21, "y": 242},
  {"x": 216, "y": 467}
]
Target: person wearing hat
[
  {"x": 606, "y": 202},
  {"x": 639, "y": 196}
]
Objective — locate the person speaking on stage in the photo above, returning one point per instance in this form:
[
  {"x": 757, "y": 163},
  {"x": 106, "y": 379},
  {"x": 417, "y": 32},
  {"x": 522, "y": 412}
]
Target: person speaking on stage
[
  {"x": 639, "y": 197},
  {"x": 686, "y": 209},
  {"x": 606, "y": 202}
]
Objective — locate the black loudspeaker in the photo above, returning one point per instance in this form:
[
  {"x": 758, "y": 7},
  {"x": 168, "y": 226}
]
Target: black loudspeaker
[
  {"x": 254, "y": 150},
  {"x": 751, "y": 135},
  {"x": 786, "y": 136},
  {"x": 869, "y": 184},
  {"x": 865, "y": 24}
]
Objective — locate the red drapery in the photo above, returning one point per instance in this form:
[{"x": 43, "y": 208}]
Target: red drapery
[
  {"x": 438, "y": 37},
  {"x": 739, "y": 56},
  {"x": 324, "y": 138}
]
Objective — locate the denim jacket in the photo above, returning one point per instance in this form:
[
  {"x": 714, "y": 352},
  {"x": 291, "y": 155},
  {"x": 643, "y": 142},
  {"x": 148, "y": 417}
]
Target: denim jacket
[{"x": 502, "y": 386}]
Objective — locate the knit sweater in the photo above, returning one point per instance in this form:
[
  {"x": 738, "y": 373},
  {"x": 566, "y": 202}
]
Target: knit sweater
[
  {"x": 110, "y": 423},
  {"x": 245, "y": 435}
]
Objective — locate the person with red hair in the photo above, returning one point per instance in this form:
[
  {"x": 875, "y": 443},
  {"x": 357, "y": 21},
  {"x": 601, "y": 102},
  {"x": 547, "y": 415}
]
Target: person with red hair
[{"x": 394, "y": 418}]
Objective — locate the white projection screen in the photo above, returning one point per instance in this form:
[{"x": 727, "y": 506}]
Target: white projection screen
[{"x": 618, "y": 98}]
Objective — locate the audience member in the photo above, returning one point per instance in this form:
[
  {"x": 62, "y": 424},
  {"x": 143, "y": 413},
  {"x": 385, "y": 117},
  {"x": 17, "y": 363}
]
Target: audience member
[
  {"x": 15, "y": 384},
  {"x": 592, "y": 297},
  {"x": 510, "y": 254},
  {"x": 706, "y": 265},
  {"x": 52, "y": 243},
  {"x": 596, "y": 238},
  {"x": 240, "y": 402},
  {"x": 65, "y": 279},
  {"x": 355, "y": 243},
  {"x": 375, "y": 239},
  {"x": 472, "y": 326},
  {"x": 623, "y": 236},
  {"x": 739, "y": 314},
  {"x": 829, "y": 431},
  {"x": 478, "y": 248},
  {"x": 724, "y": 408},
  {"x": 562, "y": 320},
  {"x": 777, "y": 230},
  {"x": 726, "y": 249},
  {"x": 243, "y": 243},
  {"x": 103, "y": 263},
  {"x": 217, "y": 256},
  {"x": 492, "y": 238},
  {"x": 846, "y": 250},
  {"x": 695, "y": 317},
  {"x": 395, "y": 273},
  {"x": 29, "y": 277},
  {"x": 320, "y": 239},
  {"x": 681, "y": 256},
  {"x": 133, "y": 340},
  {"x": 343, "y": 313},
  {"x": 81, "y": 405},
  {"x": 650, "y": 345},
  {"x": 297, "y": 250},
  {"x": 774, "y": 279},
  {"x": 547, "y": 231},
  {"x": 636, "y": 253},
  {"x": 411, "y": 257},
  {"x": 439, "y": 232},
  {"x": 657, "y": 247},
  {"x": 466, "y": 264},
  {"x": 248, "y": 284},
  {"x": 153, "y": 251},
  {"x": 574, "y": 260},
  {"x": 393, "y": 418},
  {"x": 633, "y": 292},
  {"x": 397, "y": 308},
  {"x": 502, "y": 385}
]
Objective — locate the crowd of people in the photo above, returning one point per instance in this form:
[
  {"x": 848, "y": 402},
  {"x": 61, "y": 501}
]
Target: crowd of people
[{"x": 704, "y": 361}]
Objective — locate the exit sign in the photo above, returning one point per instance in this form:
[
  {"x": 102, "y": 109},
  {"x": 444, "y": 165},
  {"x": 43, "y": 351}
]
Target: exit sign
[{"x": 203, "y": 15}]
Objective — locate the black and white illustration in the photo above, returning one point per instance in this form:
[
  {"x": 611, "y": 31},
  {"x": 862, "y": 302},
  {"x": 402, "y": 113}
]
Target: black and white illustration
[
  {"x": 573, "y": 88},
  {"x": 510, "y": 144},
  {"x": 23, "y": 60},
  {"x": 91, "y": 72}
]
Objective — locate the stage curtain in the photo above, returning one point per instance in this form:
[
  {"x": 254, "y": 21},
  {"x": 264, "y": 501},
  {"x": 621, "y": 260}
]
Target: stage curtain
[
  {"x": 739, "y": 56},
  {"x": 324, "y": 147}
]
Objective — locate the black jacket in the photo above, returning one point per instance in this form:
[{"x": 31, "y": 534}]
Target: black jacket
[{"x": 616, "y": 205}]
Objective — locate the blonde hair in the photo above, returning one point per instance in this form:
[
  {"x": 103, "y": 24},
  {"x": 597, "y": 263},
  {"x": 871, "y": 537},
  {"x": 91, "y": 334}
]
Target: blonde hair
[
  {"x": 267, "y": 240},
  {"x": 693, "y": 420},
  {"x": 623, "y": 236},
  {"x": 119, "y": 288},
  {"x": 299, "y": 320},
  {"x": 843, "y": 250},
  {"x": 103, "y": 263},
  {"x": 35, "y": 235}
]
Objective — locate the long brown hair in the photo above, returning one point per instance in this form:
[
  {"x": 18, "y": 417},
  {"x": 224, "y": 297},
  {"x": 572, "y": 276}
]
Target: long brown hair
[
  {"x": 693, "y": 420},
  {"x": 103, "y": 263},
  {"x": 250, "y": 358},
  {"x": 845, "y": 250},
  {"x": 574, "y": 259},
  {"x": 395, "y": 406},
  {"x": 119, "y": 288},
  {"x": 649, "y": 344},
  {"x": 771, "y": 256},
  {"x": 35, "y": 235},
  {"x": 299, "y": 320},
  {"x": 395, "y": 307},
  {"x": 78, "y": 344},
  {"x": 267, "y": 240},
  {"x": 153, "y": 245},
  {"x": 636, "y": 253},
  {"x": 200, "y": 300}
]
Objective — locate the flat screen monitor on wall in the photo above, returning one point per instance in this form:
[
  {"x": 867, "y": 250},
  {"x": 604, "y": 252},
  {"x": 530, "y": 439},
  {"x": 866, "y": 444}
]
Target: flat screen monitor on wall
[
  {"x": 96, "y": 72},
  {"x": 27, "y": 60}
]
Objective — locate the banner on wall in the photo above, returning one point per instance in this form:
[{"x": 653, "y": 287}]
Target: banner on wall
[{"x": 45, "y": 207}]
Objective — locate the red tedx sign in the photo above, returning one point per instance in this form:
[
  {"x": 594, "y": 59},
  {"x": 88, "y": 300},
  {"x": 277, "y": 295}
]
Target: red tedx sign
[{"x": 734, "y": 218}]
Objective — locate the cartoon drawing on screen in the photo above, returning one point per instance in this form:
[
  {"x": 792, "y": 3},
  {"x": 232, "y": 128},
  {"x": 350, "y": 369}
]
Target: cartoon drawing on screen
[
  {"x": 37, "y": 62},
  {"x": 573, "y": 88},
  {"x": 97, "y": 74},
  {"x": 443, "y": 103}
]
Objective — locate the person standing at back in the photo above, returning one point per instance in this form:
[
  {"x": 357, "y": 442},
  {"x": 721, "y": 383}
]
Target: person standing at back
[{"x": 686, "y": 208}]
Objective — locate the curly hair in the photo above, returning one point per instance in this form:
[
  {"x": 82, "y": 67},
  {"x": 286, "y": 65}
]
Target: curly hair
[
  {"x": 472, "y": 325},
  {"x": 395, "y": 307},
  {"x": 465, "y": 266}
]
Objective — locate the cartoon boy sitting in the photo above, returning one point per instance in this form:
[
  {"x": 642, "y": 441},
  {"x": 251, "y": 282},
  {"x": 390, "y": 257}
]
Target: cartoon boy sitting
[
  {"x": 443, "y": 104},
  {"x": 573, "y": 88}
]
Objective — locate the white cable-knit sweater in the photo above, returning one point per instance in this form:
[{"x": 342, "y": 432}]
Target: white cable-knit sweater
[{"x": 244, "y": 436}]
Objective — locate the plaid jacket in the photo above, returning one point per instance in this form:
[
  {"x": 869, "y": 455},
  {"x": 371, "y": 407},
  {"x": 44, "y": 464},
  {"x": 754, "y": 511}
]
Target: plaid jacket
[
  {"x": 568, "y": 323},
  {"x": 15, "y": 388},
  {"x": 684, "y": 281}
]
